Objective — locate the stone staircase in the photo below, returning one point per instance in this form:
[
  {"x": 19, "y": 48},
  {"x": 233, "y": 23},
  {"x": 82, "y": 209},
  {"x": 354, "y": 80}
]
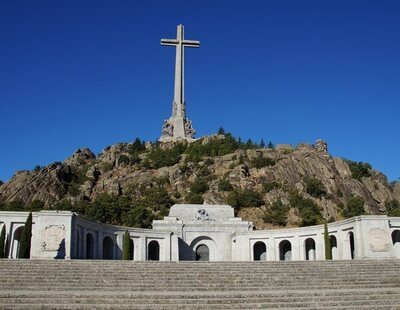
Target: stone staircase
[{"x": 85, "y": 284}]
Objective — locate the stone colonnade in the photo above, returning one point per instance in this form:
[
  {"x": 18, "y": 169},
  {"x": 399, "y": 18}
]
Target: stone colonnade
[{"x": 66, "y": 235}]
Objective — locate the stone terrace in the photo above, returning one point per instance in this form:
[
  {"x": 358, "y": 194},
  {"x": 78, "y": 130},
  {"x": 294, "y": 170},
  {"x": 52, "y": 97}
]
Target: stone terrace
[{"x": 76, "y": 284}]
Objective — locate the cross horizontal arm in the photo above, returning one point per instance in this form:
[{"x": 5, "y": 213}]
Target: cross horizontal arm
[
  {"x": 190, "y": 43},
  {"x": 169, "y": 42}
]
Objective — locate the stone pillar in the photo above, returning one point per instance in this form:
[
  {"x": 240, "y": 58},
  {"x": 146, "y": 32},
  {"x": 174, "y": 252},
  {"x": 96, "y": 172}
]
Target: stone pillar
[{"x": 143, "y": 248}]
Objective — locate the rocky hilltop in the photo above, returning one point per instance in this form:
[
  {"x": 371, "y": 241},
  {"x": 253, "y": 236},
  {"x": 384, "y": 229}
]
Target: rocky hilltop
[{"x": 271, "y": 186}]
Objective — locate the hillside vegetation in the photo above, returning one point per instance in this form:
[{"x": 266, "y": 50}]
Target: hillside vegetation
[{"x": 134, "y": 183}]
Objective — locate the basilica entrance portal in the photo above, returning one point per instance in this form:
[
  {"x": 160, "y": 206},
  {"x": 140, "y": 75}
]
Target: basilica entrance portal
[
  {"x": 203, "y": 249},
  {"x": 202, "y": 253}
]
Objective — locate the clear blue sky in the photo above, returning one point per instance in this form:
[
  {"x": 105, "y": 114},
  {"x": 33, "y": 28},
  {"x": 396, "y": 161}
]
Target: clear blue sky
[{"x": 92, "y": 73}]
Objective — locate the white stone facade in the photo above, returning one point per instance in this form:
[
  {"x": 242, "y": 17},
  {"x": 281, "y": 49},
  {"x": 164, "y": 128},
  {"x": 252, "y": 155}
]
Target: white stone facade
[{"x": 201, "y": 232}]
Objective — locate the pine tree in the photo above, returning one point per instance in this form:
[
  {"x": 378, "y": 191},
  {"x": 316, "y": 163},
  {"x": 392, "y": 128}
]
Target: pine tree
[
  {"x": 221, "y": 131},
  {"x": 2, "y": 241},
  {"x": 127, "y": 247},
  {"x": 25, "y": 243},
  {"x": 271, "y": 145},
  {"x": 327, "y": 242},
  {"x": 262, "y": 143}
]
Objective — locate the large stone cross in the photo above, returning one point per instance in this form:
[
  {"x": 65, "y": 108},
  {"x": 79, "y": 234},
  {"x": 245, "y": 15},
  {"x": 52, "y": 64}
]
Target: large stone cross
[{"x": 178, "y": 127}]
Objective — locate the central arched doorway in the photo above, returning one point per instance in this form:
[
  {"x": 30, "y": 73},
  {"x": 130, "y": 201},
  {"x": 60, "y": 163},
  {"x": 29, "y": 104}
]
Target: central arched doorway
[
  {"x": 259, "y": 251},
  {"x": 202, "y": 253},
  {"x": 202, "y": 248},
  {"x": 153, "y": 250},
  {"x": 285, "y": 250}
]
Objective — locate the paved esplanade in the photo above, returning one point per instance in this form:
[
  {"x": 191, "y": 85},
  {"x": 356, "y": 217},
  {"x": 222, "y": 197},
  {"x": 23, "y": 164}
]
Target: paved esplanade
[{"x": 178, "y": 127}]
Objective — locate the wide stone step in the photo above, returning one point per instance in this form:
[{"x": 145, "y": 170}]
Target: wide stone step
[
  {"x": 73, "y": 298},
  {"x": 172, "y": 282},
  {"x": 199, "y": 288},
  {"x": 299, "y": 306},
  {"x": 199, "y": 272},
  {"x": 80, "y": 284},
  {"x": 162, "y": 275}
]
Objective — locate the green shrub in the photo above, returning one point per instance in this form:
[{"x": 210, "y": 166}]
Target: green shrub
[
  {"x": 309, "y": 212},
  {"x": 359, "y": 169},
  {"x": 244, "y": 198},
  {"x": 200, "y": 186},
  {"x": 26, "y": 237},
  {"x": 79, "y": 175},
  {"x": 123, "y": 159},
  {"x": 203, "y": 172},
  {"x": 267, "y": 187},
  {"x": 64, "y": 205},
  {"x": 249, "y": 145},
  {"x": 37, "y": 168},
  {"x": 260, "y": 161},
  {"x": 176, "y": 195},
  {"x": 392, "y": 207},
  {"x": 242, "y": 159},
  {"x": 106, "y": 166},
  {"x": 15, "y": 205},
  {"x": 2, "y": 241},
  {"x": 341, "y": 206},
  {"x": 315, "y": 187},
  {"x": 276, "y": 214},
  {"x": 74, "y": 190},
  {"x": 355, "y": 207},
  {"x": 138, "y": 146},
  {"x": 196, "y": 151},
  {"x": 36, "y": 205},
  {"x": 135, "y": 149},
  {"x": 194, "y": 198},
  {"x": 138, "y": 217},
  {"x": 161, "y": 181},
  {"x": 159, "y": 157},
  {"x": 156, "y": 198},
  {"x": 105, "y": 208},
  {"x": 225, "y": 185},
  {"x": 208, "y": 162}
]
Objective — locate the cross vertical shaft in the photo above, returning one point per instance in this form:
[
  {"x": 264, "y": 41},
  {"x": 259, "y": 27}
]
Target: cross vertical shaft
[
  {"x": 178, "y": 127},
  {"x": 179, "y": 77}
]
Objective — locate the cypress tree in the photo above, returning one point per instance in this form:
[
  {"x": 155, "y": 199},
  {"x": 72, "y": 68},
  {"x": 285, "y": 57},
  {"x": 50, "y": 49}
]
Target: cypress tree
[
  {"x": 327, "y": 242},
  {"x": 25, "y": 243},
  {"x": 2, "y": 242},
  {"x": 126, "y": 248},
  {"x": 6, "y": 246}
]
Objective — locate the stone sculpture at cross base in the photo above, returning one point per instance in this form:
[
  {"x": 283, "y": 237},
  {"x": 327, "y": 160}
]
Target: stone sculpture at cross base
[{"x": 178, "y": 127}]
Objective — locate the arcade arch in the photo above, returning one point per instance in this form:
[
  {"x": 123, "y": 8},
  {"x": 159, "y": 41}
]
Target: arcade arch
[
  {"x": 285, "y": 250},
  {"x": 259, "y": 251}
]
